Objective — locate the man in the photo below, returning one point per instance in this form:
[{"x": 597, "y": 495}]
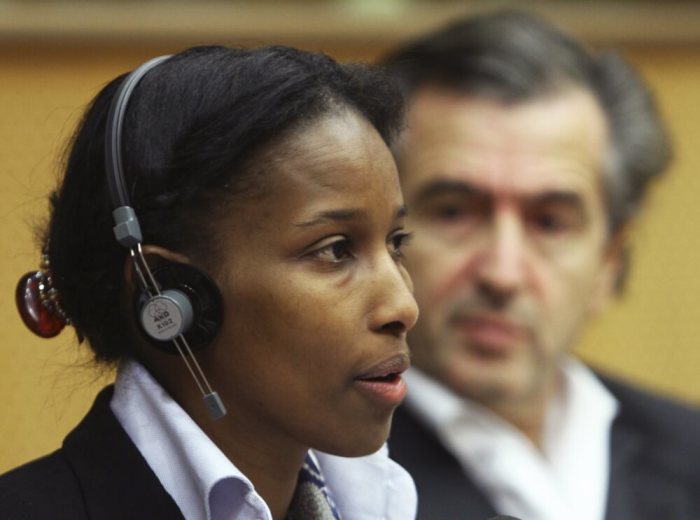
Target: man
[{"x": 524, "y": 159}]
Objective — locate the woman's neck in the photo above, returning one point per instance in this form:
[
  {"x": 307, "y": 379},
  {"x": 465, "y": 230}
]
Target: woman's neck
[{"x": 272, "y": 465}]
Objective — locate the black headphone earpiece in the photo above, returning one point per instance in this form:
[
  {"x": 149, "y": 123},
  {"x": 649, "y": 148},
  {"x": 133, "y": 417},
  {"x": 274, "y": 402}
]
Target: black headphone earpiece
[{"x": 189, "y": 304}]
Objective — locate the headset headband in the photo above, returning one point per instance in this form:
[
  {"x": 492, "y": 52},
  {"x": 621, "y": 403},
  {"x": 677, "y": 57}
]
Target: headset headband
[{"x": 126, "y": 225}]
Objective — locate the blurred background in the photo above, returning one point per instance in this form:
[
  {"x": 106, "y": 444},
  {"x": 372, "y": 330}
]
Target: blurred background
[{"x": 55, "y": 55}]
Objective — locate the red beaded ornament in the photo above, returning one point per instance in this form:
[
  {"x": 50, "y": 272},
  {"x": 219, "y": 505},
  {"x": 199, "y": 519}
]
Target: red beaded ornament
[{"x": 37, "y": 302}]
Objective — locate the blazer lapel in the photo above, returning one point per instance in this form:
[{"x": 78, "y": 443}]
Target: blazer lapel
[
  {"x": 445, "y": 492},
  {"x": 117, "y": 482}
]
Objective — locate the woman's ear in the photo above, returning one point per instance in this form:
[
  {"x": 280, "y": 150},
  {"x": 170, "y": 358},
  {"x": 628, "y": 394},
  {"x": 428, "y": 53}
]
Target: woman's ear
[{"x": 155, "y": 256}]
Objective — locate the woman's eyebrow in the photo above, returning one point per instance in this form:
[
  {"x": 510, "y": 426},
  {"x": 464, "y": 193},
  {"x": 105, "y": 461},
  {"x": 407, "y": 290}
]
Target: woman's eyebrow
[
  {"x": 342, "y": 215},
  {"x": 335, "y": 215}
]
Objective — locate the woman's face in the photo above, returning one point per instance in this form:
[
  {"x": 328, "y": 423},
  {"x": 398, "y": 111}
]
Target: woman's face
[{"x": 317, "y": 301}]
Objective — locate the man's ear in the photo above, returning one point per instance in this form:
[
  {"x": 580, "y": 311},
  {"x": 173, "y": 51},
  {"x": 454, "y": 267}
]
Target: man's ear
[
  {"x": 155, "y": 256},
  {"x": 612, "y": 273}
]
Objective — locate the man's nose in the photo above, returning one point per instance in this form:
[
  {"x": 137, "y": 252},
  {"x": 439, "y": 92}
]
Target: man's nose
[{"x": 501, "y": 270}]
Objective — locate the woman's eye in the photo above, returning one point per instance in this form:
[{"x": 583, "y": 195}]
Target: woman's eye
[
  {"x": 397, "y": 241},
  {"x": 334, "y": 252}
]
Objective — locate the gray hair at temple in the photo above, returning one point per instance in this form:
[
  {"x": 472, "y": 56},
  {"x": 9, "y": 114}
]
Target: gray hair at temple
[{"x": 512, "y": 57}]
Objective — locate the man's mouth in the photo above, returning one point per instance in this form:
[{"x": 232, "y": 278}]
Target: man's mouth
[{"x": 491, "y": 334}]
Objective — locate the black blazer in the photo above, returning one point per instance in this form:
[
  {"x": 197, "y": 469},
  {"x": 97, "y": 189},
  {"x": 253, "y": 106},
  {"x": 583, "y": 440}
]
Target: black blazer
[
  {"x": 97, "y": 474},
  {"x": 654, "y": 474}
]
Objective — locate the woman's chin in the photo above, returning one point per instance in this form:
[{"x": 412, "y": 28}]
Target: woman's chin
[{"x": 365, "y": 442}]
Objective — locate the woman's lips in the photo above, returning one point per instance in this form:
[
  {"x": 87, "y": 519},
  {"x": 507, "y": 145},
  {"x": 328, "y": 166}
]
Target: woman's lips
[{"x": 383, "y": 382}]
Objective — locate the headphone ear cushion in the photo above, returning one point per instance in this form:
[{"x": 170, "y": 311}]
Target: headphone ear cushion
[{"x": 203, "y": 295}]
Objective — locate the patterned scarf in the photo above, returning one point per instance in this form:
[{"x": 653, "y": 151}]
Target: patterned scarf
[{"x": 312, "y": 499}]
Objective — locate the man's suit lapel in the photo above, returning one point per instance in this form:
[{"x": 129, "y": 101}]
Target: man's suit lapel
[
  {"x": 623, "y": 496},
  {"x": 641, "y": 487},
  {"x": 115, "y": 479},
  {"x": 444, "y": 491}
]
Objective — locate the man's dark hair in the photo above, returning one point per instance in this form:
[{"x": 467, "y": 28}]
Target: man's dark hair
[
  {"x": 195, "y": 127},
  {"x": 512, "y": 56}
]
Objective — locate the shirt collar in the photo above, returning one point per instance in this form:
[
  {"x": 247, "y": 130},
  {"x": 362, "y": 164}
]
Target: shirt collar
[
  {"x": 185, "y": 460},
  {"x": 583, "y": 401},
  {"x": 373, "y": 486},
  {"x": 439, "y": 407}
]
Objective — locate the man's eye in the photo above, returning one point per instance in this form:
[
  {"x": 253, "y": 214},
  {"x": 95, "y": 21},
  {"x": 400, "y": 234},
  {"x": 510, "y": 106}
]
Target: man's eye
[
  {"x": 334, "y": 252},
  {"x": 553, "y": 223},
  {"x": 458, "y": 211},
  {"x": 397, "y": 241},
  {"x": 450, "y": 212},
  {"x": 549, "y": 223}
]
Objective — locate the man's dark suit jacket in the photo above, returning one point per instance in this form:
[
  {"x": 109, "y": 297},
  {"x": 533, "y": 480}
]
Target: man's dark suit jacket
[
  {"x": 654, "y": 473},
  {"x": 97, "y": 474}
]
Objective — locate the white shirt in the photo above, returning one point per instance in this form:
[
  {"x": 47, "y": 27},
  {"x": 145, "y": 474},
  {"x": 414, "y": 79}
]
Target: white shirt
[
  {"x": 205, "y": 484},
  {"x": 567, "y": 479}
]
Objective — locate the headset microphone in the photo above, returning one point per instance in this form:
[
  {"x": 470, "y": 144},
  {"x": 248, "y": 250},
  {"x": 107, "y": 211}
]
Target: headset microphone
[{"x": 179, "y": 308}]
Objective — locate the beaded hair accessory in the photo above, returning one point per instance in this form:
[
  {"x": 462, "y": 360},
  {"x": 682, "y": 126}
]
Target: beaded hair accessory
[{"x": 38, "y": 303}]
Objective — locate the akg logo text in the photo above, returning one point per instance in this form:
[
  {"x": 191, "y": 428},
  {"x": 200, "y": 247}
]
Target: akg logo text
[{"x": 160, "y": 314}]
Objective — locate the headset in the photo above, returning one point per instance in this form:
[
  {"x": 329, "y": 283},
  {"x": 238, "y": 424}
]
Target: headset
[{"x": 178, "y": 307}]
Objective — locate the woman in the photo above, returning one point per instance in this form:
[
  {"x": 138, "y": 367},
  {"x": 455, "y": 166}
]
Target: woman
[{"x": 259, "y": 223}]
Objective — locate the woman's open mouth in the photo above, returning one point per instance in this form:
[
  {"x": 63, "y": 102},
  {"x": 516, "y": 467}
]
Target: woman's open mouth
[{"x": 383, "y": 382}]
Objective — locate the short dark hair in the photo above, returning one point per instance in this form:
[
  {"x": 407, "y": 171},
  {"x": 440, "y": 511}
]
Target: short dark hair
[
  {"x": 193, "y": 129},
  {"x": 512, "y": 56}
]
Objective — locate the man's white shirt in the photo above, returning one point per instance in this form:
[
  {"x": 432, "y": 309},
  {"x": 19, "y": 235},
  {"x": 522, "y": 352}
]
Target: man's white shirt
[{"x": 567, "y": 478}]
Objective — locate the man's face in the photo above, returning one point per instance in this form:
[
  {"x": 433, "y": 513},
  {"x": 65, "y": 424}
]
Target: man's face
[{"x": 511, "y": 249}]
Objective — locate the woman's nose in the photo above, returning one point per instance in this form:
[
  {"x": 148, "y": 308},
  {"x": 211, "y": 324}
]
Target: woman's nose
[{"x": 396, "y": 310}]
